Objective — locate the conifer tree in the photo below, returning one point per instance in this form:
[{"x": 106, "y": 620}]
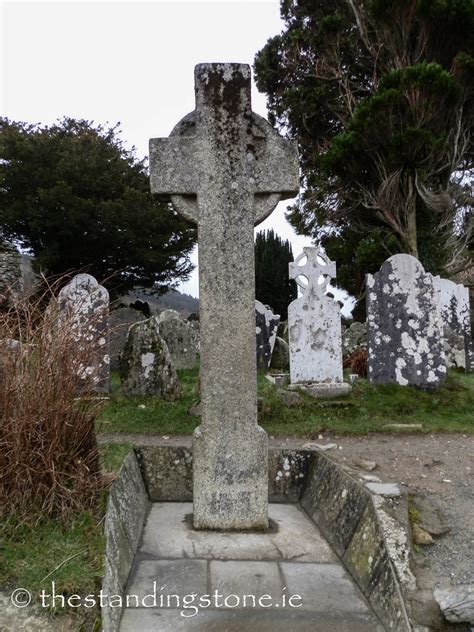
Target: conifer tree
[{"x": 272, "y": 284}]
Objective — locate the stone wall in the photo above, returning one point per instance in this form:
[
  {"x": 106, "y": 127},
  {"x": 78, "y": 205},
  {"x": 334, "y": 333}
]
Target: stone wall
[
  {"x": 127, "y": 509},
  {"x": 168, "y": 470},
  {"x": 360, "y": 526},
  {"x": 356, "y": 525}
]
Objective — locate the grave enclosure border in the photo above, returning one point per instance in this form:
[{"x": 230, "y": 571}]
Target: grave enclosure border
[{"x": 345, "y": 512}]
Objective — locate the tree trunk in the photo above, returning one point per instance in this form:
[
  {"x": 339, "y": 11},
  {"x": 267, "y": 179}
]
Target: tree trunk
[{"x": 410, "y": 241}]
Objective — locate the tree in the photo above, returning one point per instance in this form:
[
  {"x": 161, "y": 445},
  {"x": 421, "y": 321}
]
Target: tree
[
  {"x": 73, "y": 196},
  {"x": 379, "y": 94},
  {"x": 272, "y": 284}
]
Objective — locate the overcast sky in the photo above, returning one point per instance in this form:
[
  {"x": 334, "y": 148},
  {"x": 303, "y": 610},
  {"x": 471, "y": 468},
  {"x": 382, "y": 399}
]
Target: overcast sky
[{"x": 130, "y": 62}]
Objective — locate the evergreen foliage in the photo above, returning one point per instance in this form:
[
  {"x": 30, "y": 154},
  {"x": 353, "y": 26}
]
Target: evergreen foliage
[
  {"x": 379, "y": 95},
  {"x": 73, "y": 196},
  {"x": 272, "y": 284}
]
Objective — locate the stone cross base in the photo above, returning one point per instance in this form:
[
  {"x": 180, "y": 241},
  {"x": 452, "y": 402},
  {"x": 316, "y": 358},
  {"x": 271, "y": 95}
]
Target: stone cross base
[
  {"x": 230, "y": 480},
  {"x": 321, "y": 390}
]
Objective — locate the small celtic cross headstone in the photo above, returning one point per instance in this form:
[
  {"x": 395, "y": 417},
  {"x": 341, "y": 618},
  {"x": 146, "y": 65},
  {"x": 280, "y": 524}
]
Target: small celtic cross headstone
[
  {"x": 314, "y": 322},
  {"x": 225, "y": 168}
]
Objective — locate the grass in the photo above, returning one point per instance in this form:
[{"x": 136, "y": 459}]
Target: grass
[
  {"x": 150, "y": 414},
  {"x": 369, "y": 408},
  {"x": 69, "y": 554}
]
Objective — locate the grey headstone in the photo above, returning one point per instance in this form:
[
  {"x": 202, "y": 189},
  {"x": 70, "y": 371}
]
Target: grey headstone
[
  {"x": 225, "y": 168},
  {"x": 314, "y": 322},
  {"x": 281, "y": 355},
  {"x": 17, "y": 278},
  {"x": 145, "y": 362},
  {"x": 119, "y": 324},
  {"x": 266, "y": 323},
  {"x": 86, "y": 304},
  {"x": 182, "y": 340},
  {"x": 456, "y": 314},
  {"x": 454, "y": 348},
  {"x": 168, "y": 314},
  {"x": 354, "y": 338},
  {"x": 405, "y": 331}
]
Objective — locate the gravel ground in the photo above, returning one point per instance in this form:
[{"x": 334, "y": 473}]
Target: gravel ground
[{"x": 441, "y": 466}]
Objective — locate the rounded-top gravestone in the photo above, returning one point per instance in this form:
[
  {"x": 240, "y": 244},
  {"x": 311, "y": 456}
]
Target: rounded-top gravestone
[
  {"x": 405, "y": 329},
  {"x": 145, "y": 363},
  {"x": 85, "y": 303}
]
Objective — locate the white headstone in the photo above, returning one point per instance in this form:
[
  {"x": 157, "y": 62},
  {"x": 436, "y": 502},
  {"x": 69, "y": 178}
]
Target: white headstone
[
  {"x": 456, "y": 314},
  {"x": 86, "y": 304},
  {"x": 314, "y": 323}
]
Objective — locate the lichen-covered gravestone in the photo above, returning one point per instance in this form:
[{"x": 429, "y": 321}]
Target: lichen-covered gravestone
[
  {"x": 225, "y": 168},
  {"x": 145, "y": 363},
  {"x": 85, "y": 304},
  {"x": 266, "y": 323},
  {"x": 456, "y": 314},
  {"x": 181, "y": 338},
  {"x": 119, "y": 323},
  {"x": 354, "y": 338},
  {"x": 405, "y": 330},
  {"x": 314, "y": 322}
]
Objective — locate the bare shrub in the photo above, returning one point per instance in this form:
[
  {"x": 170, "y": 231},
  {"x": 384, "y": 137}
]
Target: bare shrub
[
  {"x": 49, "y": 461},
  {"x": 357, "y": 362}
]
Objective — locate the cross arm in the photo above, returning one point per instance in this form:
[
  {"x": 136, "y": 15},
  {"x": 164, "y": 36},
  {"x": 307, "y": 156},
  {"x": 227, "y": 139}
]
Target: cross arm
[{"x": 173, "y": 166}]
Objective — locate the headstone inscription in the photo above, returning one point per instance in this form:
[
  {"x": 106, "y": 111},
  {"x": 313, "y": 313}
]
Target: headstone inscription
[
  {"x": 266, "y": 327},
  {"x": 314, "y": 321},
  {"x": 225, "y": 169},
  {"x": 404, "y": 326},
  {"x": 86, "y": 304},
  {"x": 456, "y": 315}
]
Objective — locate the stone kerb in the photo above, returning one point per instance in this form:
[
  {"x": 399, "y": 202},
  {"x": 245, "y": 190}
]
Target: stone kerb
[
  {"x": 167, "y": 473},
  {"x": 373, "y": 548},
  {"x": 358, "y": 524},
  {"x": 127, "y": 509}
]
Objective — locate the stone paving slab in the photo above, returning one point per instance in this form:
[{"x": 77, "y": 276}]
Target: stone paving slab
[
  {"x": 268, "y": 569},
  {"x": 323, "y": 588},
  {"x": 241, "y": 621},
  {"x": 171, "y": 577},
  {"x": 168, "y": 534},
  {"x": 245, "y": 578}
]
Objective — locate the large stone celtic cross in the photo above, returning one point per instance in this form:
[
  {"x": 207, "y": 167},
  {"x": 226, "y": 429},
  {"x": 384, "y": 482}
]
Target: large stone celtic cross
[{"x": 225, "y": 168}]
